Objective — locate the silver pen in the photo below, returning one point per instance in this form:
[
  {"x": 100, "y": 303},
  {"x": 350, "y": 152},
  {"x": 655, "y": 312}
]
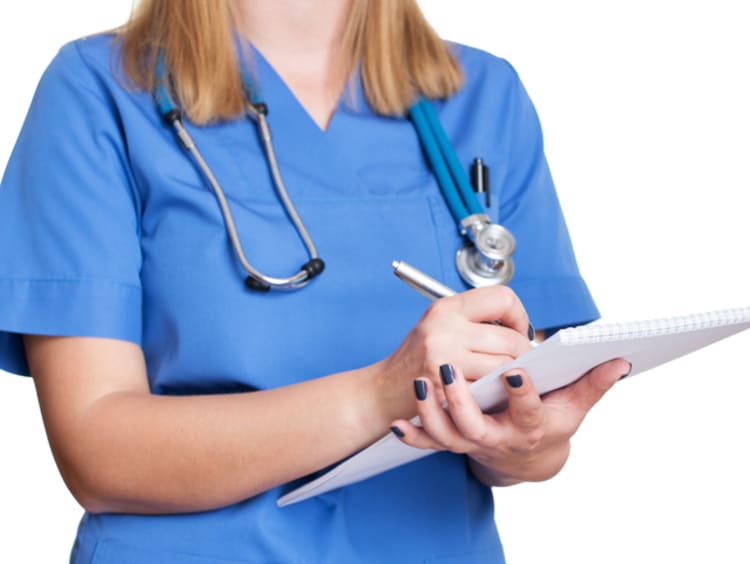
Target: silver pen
[
  {"x": 418, "y": 280},
  {"x": 431, "y": 288}
]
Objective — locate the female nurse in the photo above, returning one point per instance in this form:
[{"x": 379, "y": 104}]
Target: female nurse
[{"x": 179, "y": 404}]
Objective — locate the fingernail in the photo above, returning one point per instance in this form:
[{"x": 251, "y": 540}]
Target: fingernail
[
  {"x": 630, "y": 369},
  {"x": 420, "y": 389},
  {"x": 446, "y": 374},
  {"x": 514, "y": 380},
  {"x": 532, "y": 332},
  {"x": 398, "y": 432}
]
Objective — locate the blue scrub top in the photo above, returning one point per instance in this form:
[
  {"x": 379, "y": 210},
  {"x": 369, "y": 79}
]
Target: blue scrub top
[{"x": 107, "y": 229}]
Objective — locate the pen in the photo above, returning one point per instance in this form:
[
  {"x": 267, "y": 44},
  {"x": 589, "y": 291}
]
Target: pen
[
  {"x": 419, "y": 281},
  {"x": 431, "y": 288}
]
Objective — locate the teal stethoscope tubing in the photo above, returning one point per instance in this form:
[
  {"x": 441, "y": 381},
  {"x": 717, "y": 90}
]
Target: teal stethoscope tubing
[{"x": 453, "y": 180}]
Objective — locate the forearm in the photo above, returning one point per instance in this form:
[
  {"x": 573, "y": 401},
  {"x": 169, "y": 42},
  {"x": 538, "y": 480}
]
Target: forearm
[{"x": 151, "y": 454}]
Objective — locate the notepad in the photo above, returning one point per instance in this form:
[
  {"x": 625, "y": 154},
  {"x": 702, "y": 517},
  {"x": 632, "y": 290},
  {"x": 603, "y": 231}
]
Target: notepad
[{"x": 557, "y": 362}]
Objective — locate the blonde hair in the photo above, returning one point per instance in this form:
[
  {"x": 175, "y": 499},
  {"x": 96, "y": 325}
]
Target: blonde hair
[{"x": 400, "y": 55}]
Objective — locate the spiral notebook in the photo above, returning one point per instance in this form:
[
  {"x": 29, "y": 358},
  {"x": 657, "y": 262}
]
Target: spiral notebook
[{"x": 556, "y": 362}]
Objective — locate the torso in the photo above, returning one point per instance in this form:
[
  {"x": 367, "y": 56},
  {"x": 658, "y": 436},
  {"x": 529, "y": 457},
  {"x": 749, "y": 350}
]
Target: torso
[{"x": 364, "y": 191}]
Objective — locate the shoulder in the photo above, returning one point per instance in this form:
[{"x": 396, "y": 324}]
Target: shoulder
[
  {"x": 87, "y": 63},
  {"x": 85, "y": 78},
  {"x": 491, "y": 88},
  {"x": 94, "y": 52},
  {"x": 483, "y": 69},
  {"x": 491, "y": 93}
]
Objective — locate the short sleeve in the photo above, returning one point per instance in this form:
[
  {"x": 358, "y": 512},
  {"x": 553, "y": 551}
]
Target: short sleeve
[
  {"x": 69, "y": 236},
  {"x": 547, "y": 277}
]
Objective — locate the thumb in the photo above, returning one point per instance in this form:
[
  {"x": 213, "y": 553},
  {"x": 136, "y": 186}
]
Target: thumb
[{"x": 589, "y": 389}]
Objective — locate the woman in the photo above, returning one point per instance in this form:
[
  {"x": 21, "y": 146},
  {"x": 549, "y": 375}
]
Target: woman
[{"x": 179, "y": 404}]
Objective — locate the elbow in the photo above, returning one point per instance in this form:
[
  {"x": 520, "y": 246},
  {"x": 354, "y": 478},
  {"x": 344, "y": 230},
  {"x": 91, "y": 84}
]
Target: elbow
[
  {"x": 90, "y": 477},
  {"x": 92, "y": 503},
  {"x": 85, "y": 488}
]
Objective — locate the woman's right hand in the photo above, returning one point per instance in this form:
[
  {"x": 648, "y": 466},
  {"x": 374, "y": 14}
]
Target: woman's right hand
[{"x": 455, "y": 330}]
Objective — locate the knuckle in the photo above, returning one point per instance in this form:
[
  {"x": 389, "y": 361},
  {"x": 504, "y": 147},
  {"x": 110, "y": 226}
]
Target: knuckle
[
  {"x": 478, "y": 436},
  {"x": 457, "y": 403},
  {"x": 505, "y": 296},
  {"x": 430, "y": 366},
  {"x": 423, "y": 332},
  {"x": 433, "y": 342},
  {"x": 442, "y": 444},
  {"x": 528, "y": 416},
  {"x": 439, "y": 308},
  {"x": 455, "y": 446},
  {"x": 534, "y": 438},
  {"x": 527, "y": 442}
]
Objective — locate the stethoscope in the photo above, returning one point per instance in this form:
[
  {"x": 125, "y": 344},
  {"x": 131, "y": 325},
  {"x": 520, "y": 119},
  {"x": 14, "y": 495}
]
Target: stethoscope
[{"x": 485, "y": 259}]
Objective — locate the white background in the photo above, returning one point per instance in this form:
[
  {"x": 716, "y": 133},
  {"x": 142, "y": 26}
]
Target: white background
[{"x": 646, "y": 112}]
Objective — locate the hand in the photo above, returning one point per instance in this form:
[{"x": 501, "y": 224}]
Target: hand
[
  {"x": 454, "y": 329},
  {"x": 529, "y": 441}
]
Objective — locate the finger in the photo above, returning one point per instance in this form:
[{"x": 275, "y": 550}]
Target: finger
[
  {"x": 590, "y": 388},
  {"x": 413, "y": 435},
  {"x": 480, "y": 364},
  {"x": 466, "y": 415},
  {"x": 495, "y": 303},
  {"x": 493, "y": 339},
  {"x": 435, "y": 420},
  {"x": 525, "y": 407}
]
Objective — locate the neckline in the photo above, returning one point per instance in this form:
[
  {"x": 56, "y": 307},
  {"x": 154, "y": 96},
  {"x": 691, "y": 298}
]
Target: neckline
[{"x": 351, "y": 99}]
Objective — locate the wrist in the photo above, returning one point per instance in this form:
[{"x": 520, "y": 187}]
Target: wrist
[
  {"x": 367, "y": 404},
  {"x": 389, "y": 396}
]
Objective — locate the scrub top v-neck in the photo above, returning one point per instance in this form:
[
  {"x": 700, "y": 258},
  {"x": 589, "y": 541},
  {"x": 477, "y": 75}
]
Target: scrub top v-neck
[{"x": 107, "y": 229}]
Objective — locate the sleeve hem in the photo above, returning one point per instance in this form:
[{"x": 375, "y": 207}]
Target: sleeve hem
[
  {"x": 556, "y": 302},
  {"x": 84, "y": 308}
]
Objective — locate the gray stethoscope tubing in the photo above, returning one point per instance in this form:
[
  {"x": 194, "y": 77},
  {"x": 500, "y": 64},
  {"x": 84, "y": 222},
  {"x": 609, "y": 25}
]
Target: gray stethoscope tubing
[
  {"x": 291, "y": 283},
  {"x": 255, "y": 279}
]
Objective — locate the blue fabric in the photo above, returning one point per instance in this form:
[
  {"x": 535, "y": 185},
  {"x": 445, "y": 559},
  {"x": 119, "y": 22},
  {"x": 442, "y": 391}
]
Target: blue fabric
[{"x": 107, "y": 229}]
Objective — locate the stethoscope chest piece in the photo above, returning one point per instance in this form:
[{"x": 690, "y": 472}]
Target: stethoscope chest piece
[{"x": 485, "y": 259}]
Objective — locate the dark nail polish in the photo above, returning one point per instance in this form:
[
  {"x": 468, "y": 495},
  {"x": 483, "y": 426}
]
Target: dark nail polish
[
  {"x": 515, "y": 380},
  {"x": 630, "y": 369},
  {"x": 420, "y": 389},
  {"x": 532, "y": 332},
  {"x": 398, "y": 432},
  {"x": 446, "y": 374}
]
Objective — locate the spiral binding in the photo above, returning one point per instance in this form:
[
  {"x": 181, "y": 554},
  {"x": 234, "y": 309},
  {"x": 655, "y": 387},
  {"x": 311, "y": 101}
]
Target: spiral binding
[{"x": 654, "y": 327}]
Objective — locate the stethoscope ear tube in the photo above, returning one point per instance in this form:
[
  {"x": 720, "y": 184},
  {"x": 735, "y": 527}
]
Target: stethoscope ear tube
[
  {"x": 460, "y": 178},
  {"x": 254, "y": 280},
  {"x": 437, "y": 163}
]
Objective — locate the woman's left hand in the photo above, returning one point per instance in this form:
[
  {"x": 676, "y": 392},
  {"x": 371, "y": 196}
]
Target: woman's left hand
[{"x": 529, "y": 441}]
